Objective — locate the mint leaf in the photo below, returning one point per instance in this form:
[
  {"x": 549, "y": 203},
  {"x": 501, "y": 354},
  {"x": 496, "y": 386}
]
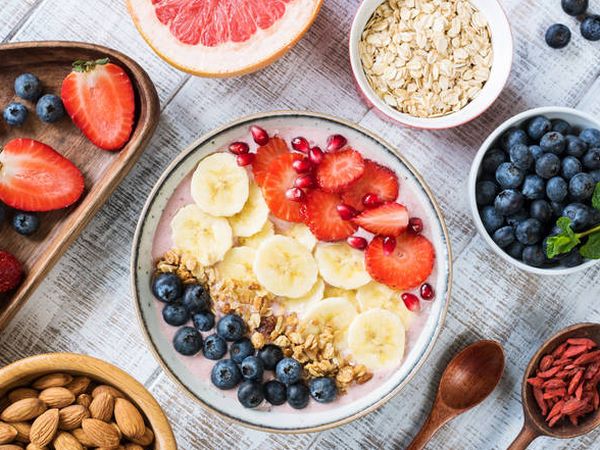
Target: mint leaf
[
  {"x": 596, "y": 197},
  {"x": 563, "y": 242},
  {"x": 591, "y": 249}
]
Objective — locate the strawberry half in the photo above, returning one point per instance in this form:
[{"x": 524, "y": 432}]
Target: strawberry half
[
  {"x": 321, "y": 215},
  {"x": 376, "y": 179},
  {"x": 279, "y": 177},
  {"x": 389, "y": 219},
  {"x": 34, "y": 177},
  {"x": 11, "y": 272},
  {"x": 409, "y": 265},
  {"x": 99, "y": 97},
  {"x": 338, "y": 170},
  {"x": 265, "y": 155}
]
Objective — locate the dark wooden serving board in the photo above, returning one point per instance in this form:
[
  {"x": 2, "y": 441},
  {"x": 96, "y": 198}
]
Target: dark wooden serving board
[{"x": 103, "y": 171}]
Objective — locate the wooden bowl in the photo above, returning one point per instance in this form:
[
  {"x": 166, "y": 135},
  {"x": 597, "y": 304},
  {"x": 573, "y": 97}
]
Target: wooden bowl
[{"x": 24, "y": 371}]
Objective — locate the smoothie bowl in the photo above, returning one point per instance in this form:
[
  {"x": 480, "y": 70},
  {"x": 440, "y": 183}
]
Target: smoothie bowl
[{"x": 291, "y": 271}]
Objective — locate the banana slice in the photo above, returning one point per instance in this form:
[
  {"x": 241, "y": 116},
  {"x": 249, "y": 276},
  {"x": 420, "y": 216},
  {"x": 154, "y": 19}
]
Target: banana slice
[
  {"x": 253, "y": 215},
  {"x": 255, "y": 240},
  {"x": 219, "y": 186},
  {"x": 205, "y": 237},
  {"x": 336, "y": 312},
  {"x": 376, "y": 339},
  {"x": 284, "y": 267},
  {"x": 302, "y": 234},
  {"x": 341, "y": 265},
  {"x": 332, "y": 291},
  {"x": 301, "y": 304},
  {"x": 377, "y": 295},
  {"x": 237, "y": 265}
]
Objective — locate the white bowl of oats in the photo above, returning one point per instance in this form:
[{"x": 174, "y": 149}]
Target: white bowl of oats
[{"x": 430, "y": 64}]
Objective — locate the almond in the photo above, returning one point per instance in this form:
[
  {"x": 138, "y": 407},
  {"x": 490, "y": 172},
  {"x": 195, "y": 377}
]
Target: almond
[
  {"x": 23, "y": 430},
  {"x": 8, "y": 433},
  {"x": 10, "y": 447},
  {"x": 79, "y": 385},
  {"x": 129, "y": 419},
  {"x": 21, "y": 393},
  {"x": 71, "y": 417},
  {"x": 57, "y": 397},
  {"x": 84, "y": 400},
  {"x": 103, "y": 388},
  {"x": 102, "y": 407},
  {"x": 44, "y": 428},
  {"x": 66, "y": 441},
  {"x": 23, "y": 410},
  {"x": 146, "y": 439},
  {"x": 35, "y": 447},
  {"x": 133, "y": 447},
  {"x": 101, "y": 433},
  {"x": 82, "y": 437},
  {"x": 52, "y": 380}
]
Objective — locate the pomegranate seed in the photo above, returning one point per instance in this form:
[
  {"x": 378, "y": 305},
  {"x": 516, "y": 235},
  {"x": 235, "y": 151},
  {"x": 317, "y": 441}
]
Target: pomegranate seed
[
  {"x": 389, "y": 245},
  {"x": 357, "y": 242},
  {"x": 244, "y": 159},
  {"x": 371, "y": 200},
  {"x": 300, "y": 144},
  {"x": 411, "y": 301},
  {"x": 259, "y": 135},
  {"x": 415, "y": 224},
  {"x": 335, "y": 142},
  {"x": 315, "y": 155},
  {"x": 294, "y": 194},
  {"x": 346, "y": 212},
  {"x": 302, "y": 165},
  {"x": 239, "y": 148},
  {"x": 304, "y": 181},
  {"x": 427, "y": 292}
]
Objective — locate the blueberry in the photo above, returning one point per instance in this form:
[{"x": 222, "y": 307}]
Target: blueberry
[
  {"x": 187, "y": 341},
  {"x": 595, "y": 174},
  {"x": 196, "y": 298},
  {"x": 15, "y": 114},
  {"x": 561, "y": 126},
  {"x": 595, "y": 217},
  {"x": 492, "y": 160},
  {"x": 547, "y": 165},
  {"x": 225, "y": 374},
  {"x": 571, "y": 166},
  {"x": 590, "y": 27},
  {"x": 509, "y": 202},
  {"x": 25, "y": 223},
  {"x": 323, "y": 389},
  {"x": 515, "y": 219},
  {"x": 50, "y": 108},
  {"x": 575, "y": 146},
  {"x": 241, "y": 349},
  {"x": 591, "y": 160},
  {"x": 536, "y": 151},
  {"x": 28, "y": 87},
  {"x": 515, "y": 250},
  {"x": 288, "y": 371},
  {"x": 557, "y": 208},
  {"x": 204, "y": 321},
  {"x": 214, "y": 347},
  {"x": 538, "y": 126},
  {"x": 558, "y": 35},
  {"x": 574, "y": 7},
  {"x": 175, "y": 314},
  {"x": 580, "y": 215},
  {"x": 167, "y": 287},
  {"x": 581, "y": 186},
  {"x": 252, "y": 368},
  {"x": 231, "y": 327},
  {"x": 492, "y": 219},
  {"x": 541, "y": 210},
  {"x": 520, "y": 156},
  {"x": 553, "y": 142},
  {"x": 557, "y": 189},
  {"x": 513, "y": 136},
  {"x": 485, "y": 191},
  {"x": 572, "y": 259},
  {"x": 533, "y": 255},
  {"x": 275, "y": 392},
  {"x": 591, "y": 137},
  {"x": 509, "y": 176},
  {"x": 270, "y": 355},
  {"x": 297, "y": 395},
  {"x": 504, "y": 236},
  {"x": 529, "y": 231},
  {"x": 250, "y": 394},
  {"x": 534, "y": 187}
]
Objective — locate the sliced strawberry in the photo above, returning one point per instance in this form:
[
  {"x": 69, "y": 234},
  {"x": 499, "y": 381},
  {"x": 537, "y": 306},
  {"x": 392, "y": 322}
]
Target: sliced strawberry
[
  {"x": 99, "y": 98},
  {"x": 339, "y": 169},
  {"x": 279, "y": 177},
  {"x": 321, "y": 215},
  {"x": 11, "y": 272},
  {"x": 409, "y": 265},
  {"x": 34, "y": 177},
  {"x": 265, "y": 155},
  {"x": 376, "y": 179},
  {"x": 389, "y": 219}
]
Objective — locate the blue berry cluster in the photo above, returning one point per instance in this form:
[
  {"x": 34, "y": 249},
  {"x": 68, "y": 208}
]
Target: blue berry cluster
[
  {"x": 559, "y": 35},
  {"x": 533, "y": 175},
  {"x": 24, "y": 223},
  {"x": 49, "y": 108}
]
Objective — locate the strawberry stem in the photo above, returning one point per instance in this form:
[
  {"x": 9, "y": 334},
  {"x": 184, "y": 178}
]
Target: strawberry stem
[{"x": 87, "y": 66}]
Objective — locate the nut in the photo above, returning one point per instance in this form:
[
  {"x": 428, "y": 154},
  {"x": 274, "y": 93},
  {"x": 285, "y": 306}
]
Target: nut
[
  {"x": 57, "y": 397},
  {"x": 146, "y": 439},
  {"x": 128, "y": 418},
  {"x": 101, "y": 433},
  {"x": 52, "y": 380},
  {"x": 82, "y": 437},
  {"x": 21, "y": 393},
  {"x": 23, "y": 430},
  {"x": 79, "y": 385},
  {"x": 23, "y": 410},
  {"x": 72, "y": 416},
  {"x": 66, "y": 441},
  {"x": 35, "y": 447},
  {"x": 102, "y": 406},
  {"x": 8, "y": 433},
  {"x": 84, "y": 400},
  {"x": 44, "y": 428},
  {"x": 107, "y": 389}
]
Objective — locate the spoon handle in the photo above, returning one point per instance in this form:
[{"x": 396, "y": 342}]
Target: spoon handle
[
  {"x": 525, "y": 437},
  {"x": 437, "y": 418}
]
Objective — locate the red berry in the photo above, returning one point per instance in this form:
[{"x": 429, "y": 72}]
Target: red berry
[
  {"x": 389, "y": 219},
  {"x": 371, "y": 201},
  {"x": 300, "y": 144},
  {"x": 389, "y": 245},
  {"x": 302, "y": 165},
  {"x": 339, "y": 170},
  {"x": 315, "y": 155},
  {"x": 259, "y": 135},
  {"x": 266, "y": 154},
  {"x": 245, "y": 159},
  {"x": 279, "y": 177},
  {"x": 415, "y": 225},
  {"x": 295, "y": 194},
  {"x": 411, "y": 301},
  {"x": 346, "y": 212},
  {"x": 357, "y": 242},
  {"x": 11, "y": 272},
  {"x": 239, "y": 148},
  {"x": 376, "y": 179},
  {"x": 335, "y": 142},
  {"x": 427, "y": 292},
  {"x": 305, "y": 181},
  {"x": 320, "y": 214}
]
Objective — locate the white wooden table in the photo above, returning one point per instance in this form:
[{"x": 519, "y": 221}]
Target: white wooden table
[{"x": 85, "y": 304}]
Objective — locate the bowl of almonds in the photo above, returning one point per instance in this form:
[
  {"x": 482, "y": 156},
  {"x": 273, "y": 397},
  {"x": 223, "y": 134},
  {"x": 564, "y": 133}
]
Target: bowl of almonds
[
  {"x": 66, "y": 401},
  {"x": 430, "y": 64}
]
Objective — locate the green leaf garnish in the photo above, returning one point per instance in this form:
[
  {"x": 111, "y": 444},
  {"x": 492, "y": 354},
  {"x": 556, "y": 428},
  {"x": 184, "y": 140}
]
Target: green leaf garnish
[
  {"x": 596, "y": 197},
  {"x": 564, "y": 242},
  {"x": 591, "y": 249}
]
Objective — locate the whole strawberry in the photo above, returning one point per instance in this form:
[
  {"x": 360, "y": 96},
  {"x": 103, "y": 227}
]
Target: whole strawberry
[{"x": 11, "y": 272}]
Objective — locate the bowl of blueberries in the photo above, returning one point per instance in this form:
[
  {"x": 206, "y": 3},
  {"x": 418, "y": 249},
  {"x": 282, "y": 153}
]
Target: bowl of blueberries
[{"x": 534, "y": 190}]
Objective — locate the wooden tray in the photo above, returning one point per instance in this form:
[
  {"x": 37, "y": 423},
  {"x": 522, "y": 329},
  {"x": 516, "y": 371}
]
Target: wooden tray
[{"x": 103, "y": 171}]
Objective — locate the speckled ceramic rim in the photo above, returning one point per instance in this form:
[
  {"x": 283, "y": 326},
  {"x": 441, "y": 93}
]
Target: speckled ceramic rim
[
  {"x": 553, "y": 112},
  {"x": 248, "y": 120}
]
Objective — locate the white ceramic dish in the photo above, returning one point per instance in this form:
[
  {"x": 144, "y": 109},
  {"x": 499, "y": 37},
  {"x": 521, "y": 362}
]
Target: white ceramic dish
[
  {"x": 502, "y": 45},
  {"x": 276, "y": 420},
  {"x": 574, "y": 117}
]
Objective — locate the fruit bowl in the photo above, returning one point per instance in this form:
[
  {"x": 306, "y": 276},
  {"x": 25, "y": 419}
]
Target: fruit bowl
[{"x": 191, "y": 373}]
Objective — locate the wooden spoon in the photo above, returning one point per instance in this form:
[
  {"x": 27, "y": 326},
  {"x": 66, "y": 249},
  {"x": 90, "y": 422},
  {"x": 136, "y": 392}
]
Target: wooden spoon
[
  {"x": 534, "y": 425},
  {"x": 470, "y": 377}
]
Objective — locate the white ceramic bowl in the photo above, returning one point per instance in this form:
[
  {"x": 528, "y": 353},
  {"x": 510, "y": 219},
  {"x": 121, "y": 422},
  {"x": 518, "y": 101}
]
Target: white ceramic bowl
[
  {"x": 575, "y": 118},
  {"x": 502, "y": 45}
]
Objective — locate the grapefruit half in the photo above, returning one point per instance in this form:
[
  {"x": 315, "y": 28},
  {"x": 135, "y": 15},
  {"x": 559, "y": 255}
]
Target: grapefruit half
[{"x": 220, "y": 38}]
